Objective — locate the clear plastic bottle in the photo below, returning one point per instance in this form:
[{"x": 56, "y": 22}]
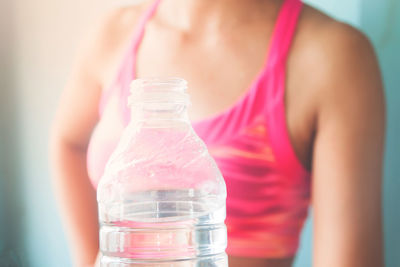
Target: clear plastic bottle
[{"x": 161, "y": 198}]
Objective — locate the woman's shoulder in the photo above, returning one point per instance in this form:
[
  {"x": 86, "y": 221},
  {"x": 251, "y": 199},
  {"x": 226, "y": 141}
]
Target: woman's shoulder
[
  {"x": 322, "y": 33},
  {"x": 327, "y": 51},
  {"x": 120, "y": 20},
  {"x": 331, "y": 65},
  {"x": 108, "y": 36}
]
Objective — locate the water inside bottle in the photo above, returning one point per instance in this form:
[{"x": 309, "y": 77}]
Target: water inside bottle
[{"x": 171, "y": 228}]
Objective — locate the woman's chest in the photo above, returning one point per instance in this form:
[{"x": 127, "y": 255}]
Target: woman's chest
[
  {"x": 238, "y": 145},
  {"x": 219, "y": 70}
]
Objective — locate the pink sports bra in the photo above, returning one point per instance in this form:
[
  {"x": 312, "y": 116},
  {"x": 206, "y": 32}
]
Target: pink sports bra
[{"x": 268, "y": 188}]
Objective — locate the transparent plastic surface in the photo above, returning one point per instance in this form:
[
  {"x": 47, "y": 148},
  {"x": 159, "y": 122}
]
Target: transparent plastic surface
[{"x": 162, "y": 198}]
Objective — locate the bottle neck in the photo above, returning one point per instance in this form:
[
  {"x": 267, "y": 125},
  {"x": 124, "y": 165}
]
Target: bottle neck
[
  {"x": 159, "y": 103},
  {"x": 159, "y": 115}
]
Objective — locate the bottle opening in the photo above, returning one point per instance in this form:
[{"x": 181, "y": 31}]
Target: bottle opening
[
  {"x": 159, "y": 90},
  {"x": 159, "y": 102}
]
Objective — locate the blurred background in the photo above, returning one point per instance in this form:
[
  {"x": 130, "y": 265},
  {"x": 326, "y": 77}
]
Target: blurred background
[{"x": 37, "y": 42}]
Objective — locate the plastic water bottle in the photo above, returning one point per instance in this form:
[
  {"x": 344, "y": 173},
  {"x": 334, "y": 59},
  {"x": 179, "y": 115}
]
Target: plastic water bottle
[{"x": 161, "y": 198}]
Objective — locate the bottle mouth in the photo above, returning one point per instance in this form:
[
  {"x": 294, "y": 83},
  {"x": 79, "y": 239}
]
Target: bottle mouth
[{"x": 159, "y": 90}]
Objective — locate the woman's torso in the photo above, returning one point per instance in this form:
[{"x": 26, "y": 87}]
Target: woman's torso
[{"x": 210, "y": 66}]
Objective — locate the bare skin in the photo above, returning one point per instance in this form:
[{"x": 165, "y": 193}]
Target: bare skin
[{"x": 334, "y": 108}]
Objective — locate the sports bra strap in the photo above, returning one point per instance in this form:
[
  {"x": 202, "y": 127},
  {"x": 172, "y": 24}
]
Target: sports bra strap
[
  {"x": 275, "y": 77},
  {"x": 147, "y": 15},
  {"x": 284, "y": 32},
  {"x": 127, "y": 68},
  {"x": 130, "y": 65}
]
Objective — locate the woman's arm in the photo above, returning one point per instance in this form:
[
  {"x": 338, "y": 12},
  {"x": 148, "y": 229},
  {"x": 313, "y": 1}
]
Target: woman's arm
[
  {"x": 76, "y": 117},
  {"x": 348, "y": 151}
]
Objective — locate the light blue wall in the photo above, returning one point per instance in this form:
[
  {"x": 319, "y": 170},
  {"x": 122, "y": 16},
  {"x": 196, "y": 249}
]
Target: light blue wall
[
  {"x": 30, "y": 228},
  {"x": 344, "y": 10},
  {"x": 11, "y": 206}
]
